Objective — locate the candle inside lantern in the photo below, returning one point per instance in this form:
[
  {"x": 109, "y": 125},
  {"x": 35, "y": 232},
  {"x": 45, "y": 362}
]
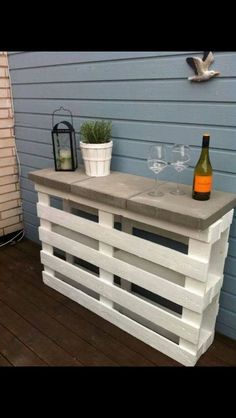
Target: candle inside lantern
[{"x": 65, "y": 159}]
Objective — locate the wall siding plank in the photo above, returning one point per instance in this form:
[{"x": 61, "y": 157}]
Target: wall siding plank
[
  {"x": 148, "y": 98},
  {"x": 131, "y": 131},
  {"x": 173, "y": 112},
  {"x": 41, "y": 59},
  {"x": 229, "y": 284},
  {"x": 233, "y": 228},
  {"x": 221, "y": 160},
  {"x": 221, "y": 90},
  {"x": 228, "y": 301},
  {"x": 226, "y": 330},
  {"x": 165, "y": 68}
]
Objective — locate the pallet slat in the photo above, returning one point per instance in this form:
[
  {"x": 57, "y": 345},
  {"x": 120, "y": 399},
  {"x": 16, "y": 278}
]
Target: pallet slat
[
  {"x": 153, "y": 252},
  {"x": 191, "y": 280},
  {"x": 152, "y": 282},
  {"x": 153, "y": 313},
  {"x": 137, "y": 330}
]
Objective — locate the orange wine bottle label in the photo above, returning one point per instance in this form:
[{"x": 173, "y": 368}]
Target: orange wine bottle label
[{"x": 203, "y": 184}]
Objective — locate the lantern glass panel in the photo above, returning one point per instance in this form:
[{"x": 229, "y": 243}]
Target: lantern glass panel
[
  {"x": 56, "y": 148},
  {"x": 64, "y": 144},
  {"x": 75, "y": 160},
  {"x": 65, "y": 156}
]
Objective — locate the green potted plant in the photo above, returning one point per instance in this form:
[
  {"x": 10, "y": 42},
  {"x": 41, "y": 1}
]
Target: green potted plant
[{"x": 96, "y": 147}]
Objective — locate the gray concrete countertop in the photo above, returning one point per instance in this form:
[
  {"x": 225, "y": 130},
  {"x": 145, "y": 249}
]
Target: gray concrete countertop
[{"x": 130, "y": 192}]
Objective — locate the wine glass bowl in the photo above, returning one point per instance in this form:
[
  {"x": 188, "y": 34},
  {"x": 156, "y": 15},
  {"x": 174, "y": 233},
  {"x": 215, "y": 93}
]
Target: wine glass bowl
[
  {"x": 180, "y": 157},
  {"x": 156, "y": 161}
]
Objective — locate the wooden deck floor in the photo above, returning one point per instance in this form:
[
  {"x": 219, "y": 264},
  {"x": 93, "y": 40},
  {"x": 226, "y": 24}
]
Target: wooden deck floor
[{"x": 41, "y": 327}]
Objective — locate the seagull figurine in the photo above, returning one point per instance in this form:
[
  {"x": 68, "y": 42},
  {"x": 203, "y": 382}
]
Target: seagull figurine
[{"x": 201, "y": 67}]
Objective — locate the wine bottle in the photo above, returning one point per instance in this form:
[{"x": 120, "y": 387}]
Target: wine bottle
[{"x": 202, "y": 180}]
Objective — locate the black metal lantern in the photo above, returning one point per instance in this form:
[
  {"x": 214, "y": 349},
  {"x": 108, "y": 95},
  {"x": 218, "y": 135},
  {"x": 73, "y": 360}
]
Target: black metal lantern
[{"x": 64, "y": 144}]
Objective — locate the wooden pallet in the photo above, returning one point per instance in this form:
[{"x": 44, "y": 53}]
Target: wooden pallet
[{"x": 192, "y": 281}]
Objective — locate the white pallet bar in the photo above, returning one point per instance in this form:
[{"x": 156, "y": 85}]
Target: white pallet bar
[{"x": 167, "y": 298}]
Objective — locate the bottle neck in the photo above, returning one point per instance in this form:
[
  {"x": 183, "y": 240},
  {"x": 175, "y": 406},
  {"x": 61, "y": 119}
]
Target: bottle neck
[
  {"x": 205, "y": 142},
  {"x": 204, "y": 154},
  {"x": 204, "y": 158}
]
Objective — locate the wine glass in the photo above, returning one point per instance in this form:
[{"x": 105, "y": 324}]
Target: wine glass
[
  {"x": 157, "y": 162},
  {"x": 180, "y": 156}
]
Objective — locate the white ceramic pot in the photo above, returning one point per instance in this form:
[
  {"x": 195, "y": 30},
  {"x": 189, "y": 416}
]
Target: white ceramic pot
[{"x": 97, "y": 158}]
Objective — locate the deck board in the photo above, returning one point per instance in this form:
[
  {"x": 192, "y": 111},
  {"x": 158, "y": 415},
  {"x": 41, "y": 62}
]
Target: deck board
[{"x": 39, "y": 326}]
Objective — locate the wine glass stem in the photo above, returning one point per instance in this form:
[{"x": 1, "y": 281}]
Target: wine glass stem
[
  {"x": 156, "y": 186},
  {"x": 177, "y": 188}
]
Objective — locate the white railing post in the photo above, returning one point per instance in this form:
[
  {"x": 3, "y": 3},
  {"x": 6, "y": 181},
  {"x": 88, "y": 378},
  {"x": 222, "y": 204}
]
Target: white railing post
[
  {"x": 126, "y": 226},
  {"x": 66, "y": 205},
  {"x": 44, "y": 199},
  {"x": 201, "y": 250},
  {"x": 106, "y": 219}
]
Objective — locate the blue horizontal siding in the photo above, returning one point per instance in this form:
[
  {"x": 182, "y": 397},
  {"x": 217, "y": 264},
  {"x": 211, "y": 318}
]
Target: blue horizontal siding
[
  {"x": 29, "y": 207},
  {"x": 157, "y": 111},
  {"x": 222, "y": 90},
  {"x": 32, "y": 232},
  {"x": 233, "y": 228},
  {"x": 228, "y": 301},
  {"x": 167, "y": 67},
  {"x": 221, "y": 160},
  {"x": 227, "y": 317},
  {"x": 229, "y": 284},
  {"x": 31, "y": 219},
  {"x": 226, "y": 330},
  {"x": 230, "y": 265},
  {"x": 42, "y": 59},
  {"x": 148, "y": 98},
  {"x": 232, "y": 246}
]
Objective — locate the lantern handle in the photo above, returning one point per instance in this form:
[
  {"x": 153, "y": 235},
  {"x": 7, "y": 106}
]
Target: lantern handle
[{"x": 65, "y": 110}]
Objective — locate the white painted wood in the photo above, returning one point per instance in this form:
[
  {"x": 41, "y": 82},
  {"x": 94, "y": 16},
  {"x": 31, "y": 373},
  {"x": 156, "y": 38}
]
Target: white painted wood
[
  {"x": 203, "y": 250},
  {"x": 126, "y": 226},
  {"x": 215, "y": 254},
  {"x": 206, "y": 340},
  {"x": 210, "y": 314},
  {"x": 137, "y": 330},
  {"x": 107, "y": 220},
  {"x": 201, "y": 235},
  {"x": 158, "y": 231},
  {"x": 167, "y": 274},
  {"x": 150, "y": 325},
  {"x": 90, "y": 242},
  {"x": 219, "y": 253},
  {"x": 91, "y": 210},
  {"x": 136, "y": 275},
  {"x": 192, "y": 281},
  {"x": 153, "y": 312},
  {"x": 88, "y": 209},
  {"x": 226, "y": 220},
  {"x": 67, "y": 208},
  {"x": 213, "y": 288},
  {"x": 77, "y": 285},
  {"x": 194, "y": 266},
  {"x": 44, "y": 200}
]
